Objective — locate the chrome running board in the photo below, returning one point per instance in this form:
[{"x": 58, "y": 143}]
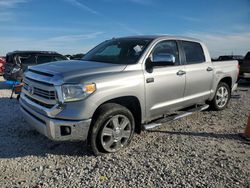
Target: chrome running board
[{"x": 174, "y": 117}]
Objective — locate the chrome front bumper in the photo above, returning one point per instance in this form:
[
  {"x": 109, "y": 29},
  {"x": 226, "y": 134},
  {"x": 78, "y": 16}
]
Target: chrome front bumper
[{"x": 54, "y": 128}]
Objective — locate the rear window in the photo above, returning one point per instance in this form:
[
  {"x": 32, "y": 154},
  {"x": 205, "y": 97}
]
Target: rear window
[{"x": 193, "y": 52}]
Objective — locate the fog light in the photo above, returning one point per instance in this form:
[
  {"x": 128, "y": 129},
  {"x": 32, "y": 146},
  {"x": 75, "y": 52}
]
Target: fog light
[{"x": 65, "y": 130}]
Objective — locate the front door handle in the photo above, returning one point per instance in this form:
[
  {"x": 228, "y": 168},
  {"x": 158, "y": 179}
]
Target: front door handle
[
  {"x": 180, "y": 73},
  {"x": 209, "y": 69},
  {"x": 150, "y": 80}
]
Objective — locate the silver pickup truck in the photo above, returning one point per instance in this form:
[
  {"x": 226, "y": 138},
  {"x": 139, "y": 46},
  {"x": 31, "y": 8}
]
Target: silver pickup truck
[{"x": 122, "y": 86}]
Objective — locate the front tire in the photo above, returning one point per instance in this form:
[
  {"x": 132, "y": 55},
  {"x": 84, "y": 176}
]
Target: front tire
[
  {"x": 112, "y": 129},
  {"x": 221, "y": 97}
]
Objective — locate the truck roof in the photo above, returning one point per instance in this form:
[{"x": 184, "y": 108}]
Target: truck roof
[
  {"x": 32, "y": 52},
  {"x": 153, "y": 37}
]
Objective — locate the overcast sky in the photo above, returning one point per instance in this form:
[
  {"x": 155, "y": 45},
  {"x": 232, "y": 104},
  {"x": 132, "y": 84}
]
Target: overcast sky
[{"x": 75, "y": 26}]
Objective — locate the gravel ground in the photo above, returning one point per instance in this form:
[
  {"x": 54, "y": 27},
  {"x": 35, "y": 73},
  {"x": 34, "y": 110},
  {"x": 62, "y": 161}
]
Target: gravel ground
[{"x": 202, "y": 150}]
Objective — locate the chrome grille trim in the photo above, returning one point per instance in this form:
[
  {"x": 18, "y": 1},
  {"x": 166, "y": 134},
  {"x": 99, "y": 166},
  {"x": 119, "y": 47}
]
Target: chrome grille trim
[
  {"x": 45, "y": 91},
  {"x": 39, "y": 103},
  {"x": 44, "y": 95}
]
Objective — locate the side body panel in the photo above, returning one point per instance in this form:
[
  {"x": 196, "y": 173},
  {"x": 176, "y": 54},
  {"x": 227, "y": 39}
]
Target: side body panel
[{"x": 166, "y": 92}]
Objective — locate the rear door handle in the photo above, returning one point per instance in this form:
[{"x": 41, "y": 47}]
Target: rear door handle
[
  {"x": 210, "y": 69},
  {"x": 180, "y": 73}
]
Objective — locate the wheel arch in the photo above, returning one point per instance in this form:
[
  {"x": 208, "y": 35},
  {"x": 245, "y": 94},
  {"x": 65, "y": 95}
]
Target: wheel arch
[
  {"x": 132, "y": 103},
  {"x": 227, "y": 80}
]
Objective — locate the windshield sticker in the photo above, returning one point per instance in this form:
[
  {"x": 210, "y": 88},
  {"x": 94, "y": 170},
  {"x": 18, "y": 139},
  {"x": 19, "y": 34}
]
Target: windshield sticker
[{"x": 137, "y": 49}]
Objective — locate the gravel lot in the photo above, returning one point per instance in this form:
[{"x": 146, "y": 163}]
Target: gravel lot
[{"x": 202, "y": 150}]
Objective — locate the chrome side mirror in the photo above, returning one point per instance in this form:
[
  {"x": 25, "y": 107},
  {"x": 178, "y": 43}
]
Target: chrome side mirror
[{"x": 163, "y": 59}]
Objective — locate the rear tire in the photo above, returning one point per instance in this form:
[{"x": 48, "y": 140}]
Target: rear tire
[
  {"x": 112, "y": 129},
  {"x": 221, "y": 97}
]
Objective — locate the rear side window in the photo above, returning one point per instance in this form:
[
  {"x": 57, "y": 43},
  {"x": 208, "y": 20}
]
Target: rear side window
[{"x": 193, "y": 52}]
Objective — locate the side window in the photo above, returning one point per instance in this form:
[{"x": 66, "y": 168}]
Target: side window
[
  {"x": 27, "y": 59},
  {"x": 44, "y": 59},
  {"x": 59, "y": 58},
  {"x": 193, "y": 52},
  {"x": 167, "y": 47}
]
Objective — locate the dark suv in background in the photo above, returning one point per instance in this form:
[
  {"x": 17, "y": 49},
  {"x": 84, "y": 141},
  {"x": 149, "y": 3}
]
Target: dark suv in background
[
  {"x": 245, "y": 67},
  {"x": 18, "y": 61}
]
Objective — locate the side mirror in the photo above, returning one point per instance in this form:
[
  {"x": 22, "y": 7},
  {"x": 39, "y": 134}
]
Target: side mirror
[{"x": 163, "y": 59}]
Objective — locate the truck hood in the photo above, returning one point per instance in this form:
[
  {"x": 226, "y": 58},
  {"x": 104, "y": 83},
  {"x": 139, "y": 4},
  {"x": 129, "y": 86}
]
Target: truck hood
[{"x": 76, "y": 68}]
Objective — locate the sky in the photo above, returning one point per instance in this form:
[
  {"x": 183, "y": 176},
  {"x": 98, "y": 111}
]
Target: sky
[{"x": 75, "y": 26}]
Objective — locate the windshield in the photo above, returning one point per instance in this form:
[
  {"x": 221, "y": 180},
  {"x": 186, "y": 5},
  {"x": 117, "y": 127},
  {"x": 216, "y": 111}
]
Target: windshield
[{"x": 118, "y": 51}]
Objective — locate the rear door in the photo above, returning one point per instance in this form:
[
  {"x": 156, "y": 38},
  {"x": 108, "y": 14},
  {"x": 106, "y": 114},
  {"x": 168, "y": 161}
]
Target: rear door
[{"x": 199, "y": 73}]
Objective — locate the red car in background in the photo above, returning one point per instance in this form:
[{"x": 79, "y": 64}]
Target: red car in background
[{"x": 2, "y": 63}]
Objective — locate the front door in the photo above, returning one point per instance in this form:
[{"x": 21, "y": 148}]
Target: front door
[{"x": 165, "y": 84}]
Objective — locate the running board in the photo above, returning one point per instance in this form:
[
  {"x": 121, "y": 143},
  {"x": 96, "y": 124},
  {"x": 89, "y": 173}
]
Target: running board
[{"x": 170, "y": 118}]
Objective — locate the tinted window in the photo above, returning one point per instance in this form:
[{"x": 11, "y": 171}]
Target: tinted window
[
  {"x": 167, "y": 47},
  {"x": 59, "y": 58},
  {"x": 193, "y": 52},
  {"x": 27, "y": 59},
  {"x": 248, "y": 56},
  {"x": 118, "y": 51},
  {"x": 49, "y": 58},
  {"x": 44, "y": 59}
]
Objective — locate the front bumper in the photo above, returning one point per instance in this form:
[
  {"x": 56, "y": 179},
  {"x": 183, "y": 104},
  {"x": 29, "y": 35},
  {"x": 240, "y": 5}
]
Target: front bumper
[{"x": 55, "y": 129}]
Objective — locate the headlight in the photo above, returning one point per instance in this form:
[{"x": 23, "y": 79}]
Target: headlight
[{"x": 75, "y": 92}]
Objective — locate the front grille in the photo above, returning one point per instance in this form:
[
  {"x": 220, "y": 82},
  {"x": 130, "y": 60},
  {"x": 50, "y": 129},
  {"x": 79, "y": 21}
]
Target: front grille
[
  {"x": 39, "y": 102},
  {"x": 41, "y": 93},
  {"x": 44, "y": 93},
  {"x": 51, "y": 95}
]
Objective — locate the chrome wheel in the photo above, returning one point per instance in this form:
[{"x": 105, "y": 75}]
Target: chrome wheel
[
  {"x": 222, "y": 96},
  {"x": 116, "y": 133}
]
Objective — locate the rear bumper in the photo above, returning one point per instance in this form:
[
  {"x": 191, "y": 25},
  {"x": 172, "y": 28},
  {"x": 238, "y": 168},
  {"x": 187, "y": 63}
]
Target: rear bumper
[{"x": 55, "y": 129}]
